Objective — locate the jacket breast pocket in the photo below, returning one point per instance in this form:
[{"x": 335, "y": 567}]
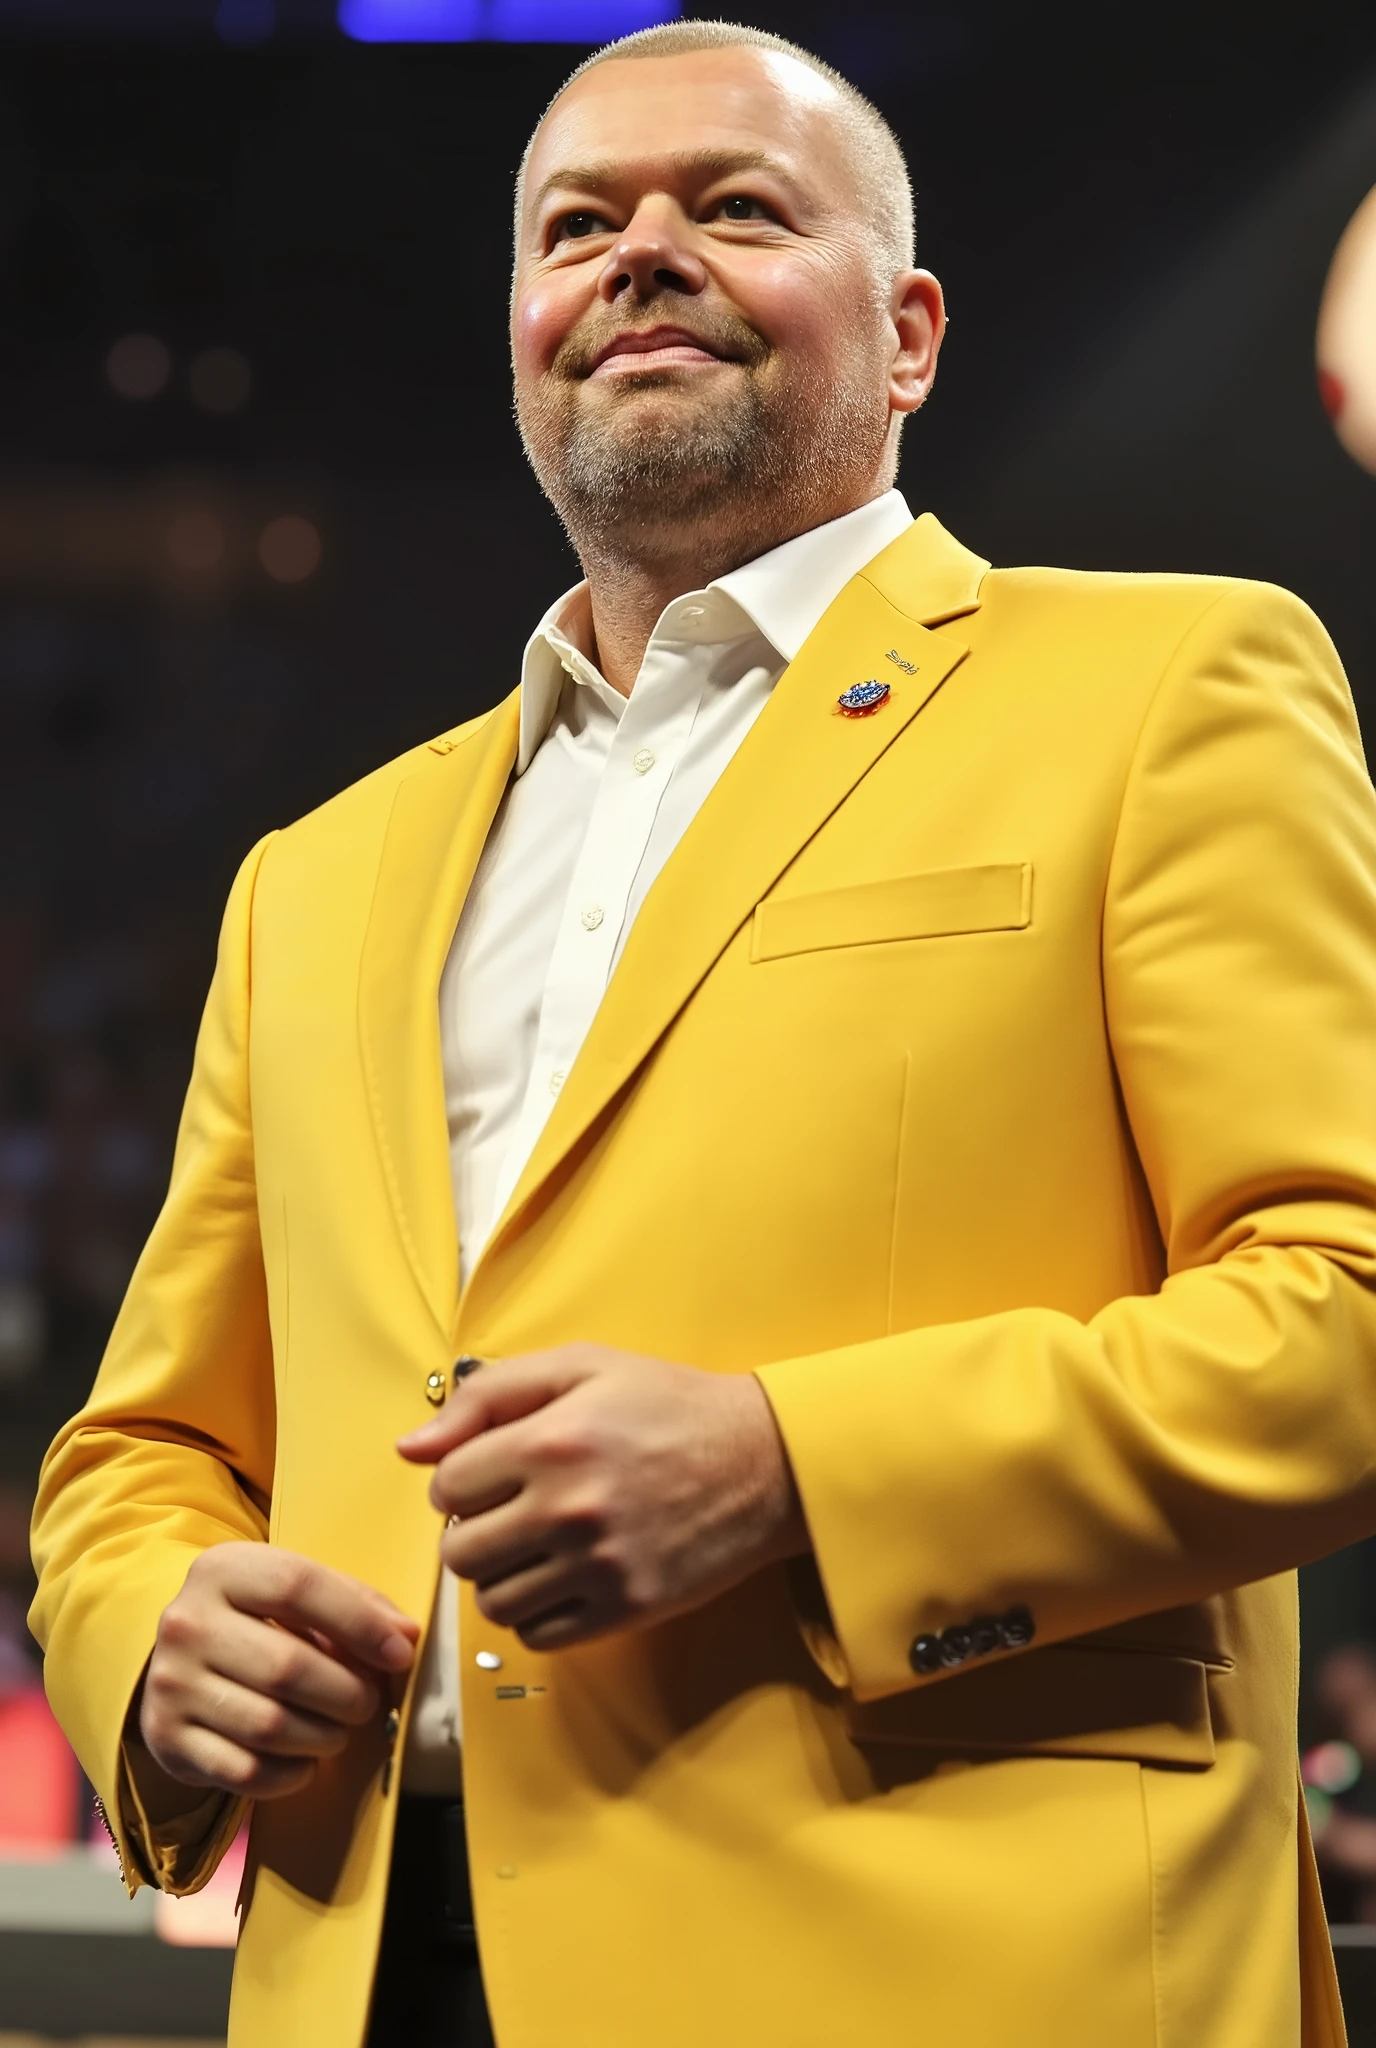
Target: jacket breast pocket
[{"x": 939, "y": 904}]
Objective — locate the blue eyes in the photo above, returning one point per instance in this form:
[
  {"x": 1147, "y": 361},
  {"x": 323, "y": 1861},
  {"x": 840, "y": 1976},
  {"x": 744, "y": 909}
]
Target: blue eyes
[{"x": 737, "y": 206}]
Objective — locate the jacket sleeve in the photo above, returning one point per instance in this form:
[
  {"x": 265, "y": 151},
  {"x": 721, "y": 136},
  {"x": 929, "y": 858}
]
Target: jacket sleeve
[
  {"x": 173, "y": 1451},
  {"x": 1224, "y": 1428}
]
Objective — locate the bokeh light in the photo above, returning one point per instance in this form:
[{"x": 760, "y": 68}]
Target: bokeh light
[
  {"x": 245, "y": 22},
  {"x": 23, "y": 1328},
  {"x": 138, "y": 366},
  {"x": 220, "y": 380},
  {"x": 1332, "y": 1767},
  {"x": 290, "y": 548},
  {"x": 1346, "y": 341}
]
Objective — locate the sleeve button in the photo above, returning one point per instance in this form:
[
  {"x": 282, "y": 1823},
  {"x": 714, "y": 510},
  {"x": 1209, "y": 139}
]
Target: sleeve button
[
  {"x": 984, "y": 1635},
  {"x": 955, "y": 1646},
  {"x": 925, "y": 1655},
  {"x": 1016, "y": 1628}
]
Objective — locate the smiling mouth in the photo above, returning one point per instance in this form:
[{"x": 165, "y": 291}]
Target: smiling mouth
[{"x": 657, "y": 349}]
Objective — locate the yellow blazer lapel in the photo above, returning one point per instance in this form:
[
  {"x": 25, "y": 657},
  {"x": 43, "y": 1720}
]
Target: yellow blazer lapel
[
  {"x": 441, "y": 815},
  {"x": 798, "y": 763}
]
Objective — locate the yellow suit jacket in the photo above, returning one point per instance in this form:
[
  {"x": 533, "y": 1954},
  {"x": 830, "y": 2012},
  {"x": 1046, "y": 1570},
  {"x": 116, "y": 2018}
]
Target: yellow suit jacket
[{"x": 996, "y": 1076}]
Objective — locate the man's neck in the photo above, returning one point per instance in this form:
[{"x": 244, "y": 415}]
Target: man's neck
[
  {"x": 626, "y": 599},
  {"x": 627, "y": 595}
]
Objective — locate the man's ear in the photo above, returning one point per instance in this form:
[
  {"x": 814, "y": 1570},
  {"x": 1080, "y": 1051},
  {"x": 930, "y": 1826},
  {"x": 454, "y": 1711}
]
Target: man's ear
[{"x": 918, "y": 312}]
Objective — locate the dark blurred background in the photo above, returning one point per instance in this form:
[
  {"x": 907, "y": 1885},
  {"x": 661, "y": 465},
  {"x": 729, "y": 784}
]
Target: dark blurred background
[{"x": 264, "y": 518}]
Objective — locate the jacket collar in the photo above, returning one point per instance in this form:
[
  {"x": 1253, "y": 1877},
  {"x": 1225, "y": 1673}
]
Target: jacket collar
[
  {"x": 798, "y": 763},
  {"x": 781, "y": 594},
  {"x": 440, "y": 817},
  {"x": 796, "y": 766}
]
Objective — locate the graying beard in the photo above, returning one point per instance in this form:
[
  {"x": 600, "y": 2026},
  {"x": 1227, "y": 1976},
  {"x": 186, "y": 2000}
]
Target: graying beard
[
  {"x": 749, "y": 469},
  {"x": 602, "y": 487}
]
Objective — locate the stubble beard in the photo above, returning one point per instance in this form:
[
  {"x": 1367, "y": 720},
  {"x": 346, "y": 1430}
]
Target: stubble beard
[{"x": 654, "y": 470}]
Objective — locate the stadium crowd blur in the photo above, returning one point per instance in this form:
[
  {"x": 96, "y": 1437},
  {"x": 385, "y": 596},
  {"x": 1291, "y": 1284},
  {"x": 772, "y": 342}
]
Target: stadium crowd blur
[{"x": 264, "y": 519}]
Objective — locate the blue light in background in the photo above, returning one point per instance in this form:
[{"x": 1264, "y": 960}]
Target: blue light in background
[
  {"x": 499, "y": 21},
  {"x": 245, "y": 21}
]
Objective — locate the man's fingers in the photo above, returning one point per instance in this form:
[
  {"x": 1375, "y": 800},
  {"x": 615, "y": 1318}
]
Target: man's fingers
[
  {"x": 479, "y": 1477},
  {"x": 204, "y": 1758},
  {"x": 363, "y": 1624},
  {"x": 289, "y": 1668},
  {"x": 268, "y": 1727},
  {"x": 496, "y": 1545},
  {"x": 255, "y": 1673},
  {"x": 542, "y": 1585},
  {"x": 550, "y": 1601},
  {"x": 576, "y": 1621},
  {"x": 497, "y": 1395}
]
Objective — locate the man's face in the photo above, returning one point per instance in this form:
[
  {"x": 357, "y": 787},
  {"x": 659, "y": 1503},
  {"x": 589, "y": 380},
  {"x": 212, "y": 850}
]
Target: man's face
[{"x": 697, "y": 316}]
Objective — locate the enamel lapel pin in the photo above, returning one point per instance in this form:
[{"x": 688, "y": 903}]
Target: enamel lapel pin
[{"x": 862, "y": 700}]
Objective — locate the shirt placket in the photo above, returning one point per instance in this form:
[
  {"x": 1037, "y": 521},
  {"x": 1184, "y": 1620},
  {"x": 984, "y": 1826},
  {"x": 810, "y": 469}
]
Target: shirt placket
[{"x": 650, "y": 739}]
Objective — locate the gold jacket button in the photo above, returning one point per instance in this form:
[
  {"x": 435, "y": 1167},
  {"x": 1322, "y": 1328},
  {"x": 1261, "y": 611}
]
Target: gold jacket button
[{"x": 435, "y": 1389}]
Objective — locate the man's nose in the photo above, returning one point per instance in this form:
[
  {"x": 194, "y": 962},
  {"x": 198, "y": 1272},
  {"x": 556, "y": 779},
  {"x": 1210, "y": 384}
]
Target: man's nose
[{"x": 653, "y": 253}]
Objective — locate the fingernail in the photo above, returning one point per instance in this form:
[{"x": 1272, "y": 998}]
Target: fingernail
[{"x": 397, "y": 1652}]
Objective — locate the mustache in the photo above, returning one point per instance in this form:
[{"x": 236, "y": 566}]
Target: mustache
[{"x": 724, "y": 334}]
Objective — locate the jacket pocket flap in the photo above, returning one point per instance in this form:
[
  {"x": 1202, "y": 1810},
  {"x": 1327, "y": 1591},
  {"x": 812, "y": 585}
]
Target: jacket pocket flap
[
  {"x": 1061, "y": 1701},
  {"x": 939, "y": 904}
]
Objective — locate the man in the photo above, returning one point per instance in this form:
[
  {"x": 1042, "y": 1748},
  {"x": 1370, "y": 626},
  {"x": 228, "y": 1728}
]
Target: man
[{"x": 896, "y": 1039}]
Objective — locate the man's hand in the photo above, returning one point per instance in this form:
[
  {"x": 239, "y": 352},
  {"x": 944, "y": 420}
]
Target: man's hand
[
  {"x": 591, "y": 1489},
  {"x": 261, "y": 1667}
]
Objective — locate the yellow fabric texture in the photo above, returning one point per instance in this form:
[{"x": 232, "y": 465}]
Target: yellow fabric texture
[{"x": 995, "y": 1076}]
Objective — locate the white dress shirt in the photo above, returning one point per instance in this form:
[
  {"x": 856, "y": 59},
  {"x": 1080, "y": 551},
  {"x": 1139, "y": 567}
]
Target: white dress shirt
[{"x": 605, "y": 787}]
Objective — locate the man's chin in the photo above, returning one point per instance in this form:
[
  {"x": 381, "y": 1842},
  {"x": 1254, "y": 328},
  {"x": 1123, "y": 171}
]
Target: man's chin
[
  {"x": 665, "y": 449},
  {"x": 646, "y": 481},
  {"x": 662, "y": 407},
  {"x": 675, "y": 396}
]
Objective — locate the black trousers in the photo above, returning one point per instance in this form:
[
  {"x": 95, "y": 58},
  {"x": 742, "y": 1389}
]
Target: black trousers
[{"x": 429, "y": 1989}]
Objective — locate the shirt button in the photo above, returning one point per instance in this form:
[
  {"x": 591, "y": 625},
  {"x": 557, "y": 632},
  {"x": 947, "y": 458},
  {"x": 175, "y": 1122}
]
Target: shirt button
[
  {"x": 592, "y": 917},
  {"x": 643, "y": 762},
  {"x": 556, "y": 1080}
]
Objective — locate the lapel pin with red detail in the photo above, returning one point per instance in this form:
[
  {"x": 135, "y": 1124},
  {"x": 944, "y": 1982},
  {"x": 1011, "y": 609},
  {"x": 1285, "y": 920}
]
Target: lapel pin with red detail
[{"x": 862, "y": 700}]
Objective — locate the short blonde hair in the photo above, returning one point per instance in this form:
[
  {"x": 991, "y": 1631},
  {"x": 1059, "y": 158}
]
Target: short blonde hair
[{"x": 879, "y": 157}]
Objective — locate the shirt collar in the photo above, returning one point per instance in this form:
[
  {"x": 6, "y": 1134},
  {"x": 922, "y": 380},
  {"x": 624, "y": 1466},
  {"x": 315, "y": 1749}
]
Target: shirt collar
[
  {"x": 781, "y": 594},
  {"x": 786, "y": 591}
]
